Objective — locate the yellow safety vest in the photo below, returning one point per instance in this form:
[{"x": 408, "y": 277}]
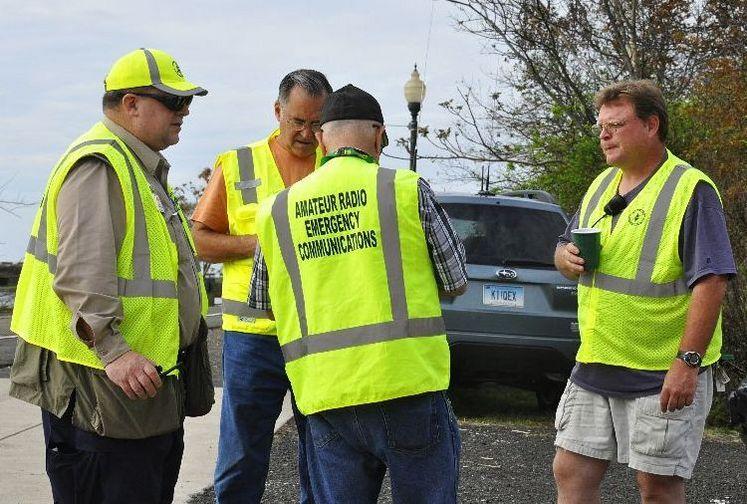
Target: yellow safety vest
[
  {"x": 250, "y": 175},
  {"x": 147, "y": 265},
  {"x": 633, "y": 307},
  {"x": 352, "y": 287}
]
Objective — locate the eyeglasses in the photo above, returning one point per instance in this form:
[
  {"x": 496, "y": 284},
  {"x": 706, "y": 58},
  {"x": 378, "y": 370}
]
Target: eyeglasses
[
  {"x": 299, "y": 125},
  {"x": 610, "y": 127},
  {"x": 171, "y": 102}
]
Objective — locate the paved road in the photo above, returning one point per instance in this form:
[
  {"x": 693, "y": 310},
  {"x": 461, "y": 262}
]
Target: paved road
[
  {"x": 5, "y": 325},
  {"x": 512, "y": 464}
]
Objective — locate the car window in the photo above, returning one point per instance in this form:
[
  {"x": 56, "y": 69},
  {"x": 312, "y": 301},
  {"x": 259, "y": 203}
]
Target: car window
[{"x": 505, "y": 235}]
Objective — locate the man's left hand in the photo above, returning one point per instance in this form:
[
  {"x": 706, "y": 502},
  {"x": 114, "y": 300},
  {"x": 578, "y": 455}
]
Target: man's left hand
[{"x": 679, "y": 386}]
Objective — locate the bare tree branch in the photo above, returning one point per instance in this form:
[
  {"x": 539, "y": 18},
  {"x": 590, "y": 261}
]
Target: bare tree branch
[{"x": 551, "y": 57}]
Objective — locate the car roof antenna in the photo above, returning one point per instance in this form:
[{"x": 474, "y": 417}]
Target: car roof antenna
[{"x": 485, "y": 183}]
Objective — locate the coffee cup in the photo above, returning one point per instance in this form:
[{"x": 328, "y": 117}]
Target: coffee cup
[{"x": 588, "y": 242}]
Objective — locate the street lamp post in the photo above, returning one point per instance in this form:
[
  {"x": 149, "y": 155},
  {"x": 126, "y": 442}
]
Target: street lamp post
[{"x": 414, "y": 94}]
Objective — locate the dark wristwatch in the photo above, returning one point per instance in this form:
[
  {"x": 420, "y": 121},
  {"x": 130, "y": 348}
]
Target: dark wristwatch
[{"x": 691, "y": 358}]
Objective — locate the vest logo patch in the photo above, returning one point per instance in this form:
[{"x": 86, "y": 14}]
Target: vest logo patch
[
  {"x": 637, "y": 216},
  {"x": 177, "y": 69}
]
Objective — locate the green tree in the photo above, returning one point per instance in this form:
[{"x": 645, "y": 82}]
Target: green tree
[
  {"x": 187, "y": 195},
  {"x": 714, "y": 126},
  {"x": 552, "y": 56},
  {"x": 534, "y": 122}
]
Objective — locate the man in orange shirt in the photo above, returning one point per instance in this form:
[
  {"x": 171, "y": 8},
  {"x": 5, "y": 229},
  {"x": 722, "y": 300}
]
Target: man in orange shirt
[{"x": 254, "y": 380}]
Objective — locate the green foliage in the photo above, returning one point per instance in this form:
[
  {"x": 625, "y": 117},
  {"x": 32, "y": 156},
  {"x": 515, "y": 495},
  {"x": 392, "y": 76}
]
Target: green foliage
[
  {"x": 719, "y": 415},
  {"x": 582, "y": 161},
  {"x": 552, "y": 56}
]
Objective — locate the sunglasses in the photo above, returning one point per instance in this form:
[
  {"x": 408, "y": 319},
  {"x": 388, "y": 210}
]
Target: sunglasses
[{"x": 171, "y": 102}]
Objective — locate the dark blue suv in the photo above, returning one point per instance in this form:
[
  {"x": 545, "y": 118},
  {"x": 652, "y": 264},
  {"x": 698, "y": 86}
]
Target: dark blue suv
[{"x": 516, "y": 324}]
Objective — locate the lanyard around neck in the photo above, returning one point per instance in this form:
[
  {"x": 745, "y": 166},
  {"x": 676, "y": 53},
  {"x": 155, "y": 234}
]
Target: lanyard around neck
[{"x": 348, "y": 151}]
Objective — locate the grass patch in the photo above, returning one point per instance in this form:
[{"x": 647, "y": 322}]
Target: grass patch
[
  {"x": 492, "y": 404},
  {"x": 722, "y": 434}
]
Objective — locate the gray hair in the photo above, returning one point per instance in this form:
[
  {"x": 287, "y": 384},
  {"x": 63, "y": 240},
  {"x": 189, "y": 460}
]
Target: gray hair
[
  {"x": 113, "y": 99},
  {"x": 313, "y": 82}
]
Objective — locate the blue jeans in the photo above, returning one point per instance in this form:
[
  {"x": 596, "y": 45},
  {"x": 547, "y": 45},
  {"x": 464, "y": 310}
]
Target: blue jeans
[
  {"x": 416, "y": 438},
  {"x": 254, "y": 385}
]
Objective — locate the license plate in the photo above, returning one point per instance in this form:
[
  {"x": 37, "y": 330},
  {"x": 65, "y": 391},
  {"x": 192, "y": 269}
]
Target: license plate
[{"x": 503, "y": 295}]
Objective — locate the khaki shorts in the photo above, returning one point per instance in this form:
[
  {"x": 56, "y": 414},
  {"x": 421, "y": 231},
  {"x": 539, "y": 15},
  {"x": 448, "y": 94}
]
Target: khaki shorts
[{"x": 634, "y": 430}]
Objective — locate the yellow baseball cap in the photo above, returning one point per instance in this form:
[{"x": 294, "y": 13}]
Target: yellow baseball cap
[{"x": 150, "y": 67}]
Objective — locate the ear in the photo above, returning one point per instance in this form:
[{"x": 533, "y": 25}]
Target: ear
[
  {"x": 277, "y": 111},
  {"x": 320, "y": 140},
  {"x": 653, "y": 125},
  {"x": 130, "y": 105},
  {"x": 379, "y": 141}
]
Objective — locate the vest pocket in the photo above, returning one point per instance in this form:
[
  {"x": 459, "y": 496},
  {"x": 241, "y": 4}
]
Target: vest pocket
[
  {"x": 246, "y": 215},
  {"x": 30, "y": 365},
  {"x": 103, "y": 408}
]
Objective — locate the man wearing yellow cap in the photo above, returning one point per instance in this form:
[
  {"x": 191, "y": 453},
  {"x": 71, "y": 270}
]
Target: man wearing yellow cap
[{"x": 109, "y": 303}]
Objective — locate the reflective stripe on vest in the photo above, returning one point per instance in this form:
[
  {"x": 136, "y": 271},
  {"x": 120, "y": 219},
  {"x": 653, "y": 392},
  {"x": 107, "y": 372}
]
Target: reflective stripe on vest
[
  {"x": 633, "y": 308},
  {"x": 240, "y": 309},
  {"x": 641, "y": 285},
  {"x": 400, "y": 327},
  {"x": 146, "y": 265},
  {"x": 247, "y": 184},
  {"x": 141, "y": 284}
]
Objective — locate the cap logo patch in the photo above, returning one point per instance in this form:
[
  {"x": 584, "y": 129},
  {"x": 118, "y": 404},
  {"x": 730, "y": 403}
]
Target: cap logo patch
[{"x": 177, "y": 69}]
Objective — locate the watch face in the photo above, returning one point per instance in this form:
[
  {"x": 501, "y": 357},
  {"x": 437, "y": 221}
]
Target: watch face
[{"x": 692, "y": 358}]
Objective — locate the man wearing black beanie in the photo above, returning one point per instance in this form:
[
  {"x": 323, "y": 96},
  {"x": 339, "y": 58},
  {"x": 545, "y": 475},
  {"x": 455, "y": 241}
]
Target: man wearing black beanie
[{"x": 354, "y": 258}]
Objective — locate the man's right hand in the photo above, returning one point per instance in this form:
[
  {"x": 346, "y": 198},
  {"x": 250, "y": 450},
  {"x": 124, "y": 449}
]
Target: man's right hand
[
  {"x": 135, "y": 375},
  {"x": 568, "y": 262}
]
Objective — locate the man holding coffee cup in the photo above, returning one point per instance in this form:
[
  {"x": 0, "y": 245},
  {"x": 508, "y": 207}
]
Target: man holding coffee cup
[{"x": 650, "y": 250}]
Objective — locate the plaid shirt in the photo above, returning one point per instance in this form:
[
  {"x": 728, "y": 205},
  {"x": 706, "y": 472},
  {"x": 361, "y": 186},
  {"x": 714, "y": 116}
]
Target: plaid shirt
[{"x": 445, "y": 247}]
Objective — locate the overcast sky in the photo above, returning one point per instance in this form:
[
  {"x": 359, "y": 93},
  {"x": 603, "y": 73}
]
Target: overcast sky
[{"x": 54, "y": 56}]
